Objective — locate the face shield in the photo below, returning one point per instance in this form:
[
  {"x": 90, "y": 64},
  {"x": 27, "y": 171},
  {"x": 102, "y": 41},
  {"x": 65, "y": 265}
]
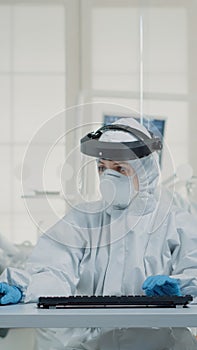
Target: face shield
[
  {"x": 125, "y": 144},
  {"x": 141, "y": 146}
]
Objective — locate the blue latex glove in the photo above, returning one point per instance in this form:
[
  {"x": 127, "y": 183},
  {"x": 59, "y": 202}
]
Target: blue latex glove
[
  {"x": 161, "y": 285},
  {"x": 11, "y": 294}
]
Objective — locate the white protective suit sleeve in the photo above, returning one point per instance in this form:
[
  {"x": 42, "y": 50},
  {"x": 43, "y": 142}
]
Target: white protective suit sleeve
[
  {"x": 184, "y": 258},
  {"x": 52, "y": 268}
]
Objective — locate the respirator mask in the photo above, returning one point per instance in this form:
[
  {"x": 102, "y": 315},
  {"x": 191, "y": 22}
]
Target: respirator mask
[{"x": 117, "y": 189}]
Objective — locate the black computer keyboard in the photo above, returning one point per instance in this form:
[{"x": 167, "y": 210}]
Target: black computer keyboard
[{"x": 124, "y": 301}]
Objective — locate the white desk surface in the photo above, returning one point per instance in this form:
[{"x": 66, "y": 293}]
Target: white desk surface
[{"x": 29, "y": 316}]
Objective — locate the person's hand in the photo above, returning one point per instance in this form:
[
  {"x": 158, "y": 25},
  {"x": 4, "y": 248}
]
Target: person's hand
[
  {"x": 11, "y": 294},
  {"x": 161, "y": 285}
]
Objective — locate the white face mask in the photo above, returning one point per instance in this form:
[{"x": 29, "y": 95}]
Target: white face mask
[{"x": 117, "y": 189}]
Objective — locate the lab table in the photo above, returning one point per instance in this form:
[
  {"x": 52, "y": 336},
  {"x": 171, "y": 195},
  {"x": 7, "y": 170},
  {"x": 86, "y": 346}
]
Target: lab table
[{"x": 29, "y": 316}]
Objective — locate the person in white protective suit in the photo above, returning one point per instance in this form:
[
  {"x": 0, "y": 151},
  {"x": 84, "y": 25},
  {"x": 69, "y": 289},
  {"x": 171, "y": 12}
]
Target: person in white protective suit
[{"x": 130, "y": 242}]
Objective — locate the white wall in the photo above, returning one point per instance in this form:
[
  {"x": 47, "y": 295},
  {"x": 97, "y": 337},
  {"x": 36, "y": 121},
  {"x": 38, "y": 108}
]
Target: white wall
[{"x": 32, "y": 87}]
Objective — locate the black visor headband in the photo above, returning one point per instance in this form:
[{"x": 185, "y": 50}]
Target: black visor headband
[{"x": 145, "y": 145}]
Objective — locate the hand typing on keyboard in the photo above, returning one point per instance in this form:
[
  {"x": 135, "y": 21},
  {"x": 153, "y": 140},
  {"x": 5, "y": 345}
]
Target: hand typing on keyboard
[
  {"x": 9, "y": 294},
  {"x": 161, "y": 285}
]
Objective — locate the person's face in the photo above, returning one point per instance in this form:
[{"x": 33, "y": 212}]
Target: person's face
[{"x": 123, "y": 168}]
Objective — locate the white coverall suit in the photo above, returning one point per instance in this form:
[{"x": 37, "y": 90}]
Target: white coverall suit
[{"x": 98, "y": 251}]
